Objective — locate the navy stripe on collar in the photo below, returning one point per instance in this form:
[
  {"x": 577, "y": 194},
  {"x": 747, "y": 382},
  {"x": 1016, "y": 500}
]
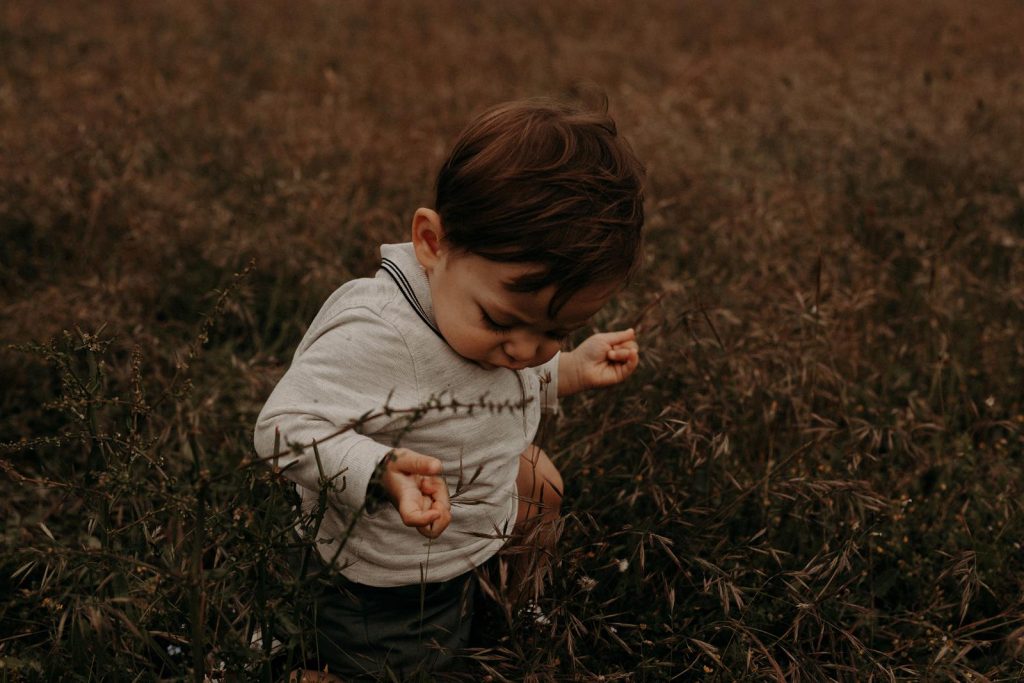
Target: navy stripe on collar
[{"x": 392, "y": 269}]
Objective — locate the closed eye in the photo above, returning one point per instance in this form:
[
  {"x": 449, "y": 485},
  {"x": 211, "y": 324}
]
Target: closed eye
[{"x": 493, "y": 326}]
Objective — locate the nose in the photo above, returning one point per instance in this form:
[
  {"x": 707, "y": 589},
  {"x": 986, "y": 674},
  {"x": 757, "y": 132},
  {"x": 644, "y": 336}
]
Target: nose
[
  {"x": 528, "y": 349},
  {"x": 522, "y": 348}
]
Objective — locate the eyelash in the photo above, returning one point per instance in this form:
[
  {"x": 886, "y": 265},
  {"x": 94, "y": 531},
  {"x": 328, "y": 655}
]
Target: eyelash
[
  {"x": 505, "y": 329},
  {"x": 493, "y": 326}
]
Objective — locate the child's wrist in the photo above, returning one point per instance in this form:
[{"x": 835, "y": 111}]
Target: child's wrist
[
  {"x": 376, "y": 492},
  {"x": 570, "y": 380}
]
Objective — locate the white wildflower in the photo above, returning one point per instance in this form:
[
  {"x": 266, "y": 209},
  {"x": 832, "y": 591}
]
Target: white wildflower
[{"x": 538, "y": 615}]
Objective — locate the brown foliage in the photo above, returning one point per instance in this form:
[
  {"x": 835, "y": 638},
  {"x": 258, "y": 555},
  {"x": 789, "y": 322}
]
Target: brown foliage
[{"x": 816, "y": 474}]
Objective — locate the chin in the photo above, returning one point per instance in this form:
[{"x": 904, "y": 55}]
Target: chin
[{"x": 499, "y": 366}]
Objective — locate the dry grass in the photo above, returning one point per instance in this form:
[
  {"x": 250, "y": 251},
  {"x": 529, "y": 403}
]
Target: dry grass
[{"x": 816, "y": 473}]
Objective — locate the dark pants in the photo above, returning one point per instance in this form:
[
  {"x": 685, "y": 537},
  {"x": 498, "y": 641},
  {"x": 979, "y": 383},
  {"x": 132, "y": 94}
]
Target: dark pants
[{"x": 363, "y": 631}]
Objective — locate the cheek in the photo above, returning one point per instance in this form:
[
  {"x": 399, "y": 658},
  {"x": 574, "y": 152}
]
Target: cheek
[
  {"x": 482, "y": 340},
  {"x": 465, "y": 338},
  {"x": 549, "y": 349}
]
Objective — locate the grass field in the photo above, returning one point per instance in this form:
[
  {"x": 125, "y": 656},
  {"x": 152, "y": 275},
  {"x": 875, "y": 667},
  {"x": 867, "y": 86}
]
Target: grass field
[{"x": 816, "y": 473}]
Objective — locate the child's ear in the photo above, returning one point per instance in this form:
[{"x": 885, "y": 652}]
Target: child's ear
[{"x": 427, "y": 235}]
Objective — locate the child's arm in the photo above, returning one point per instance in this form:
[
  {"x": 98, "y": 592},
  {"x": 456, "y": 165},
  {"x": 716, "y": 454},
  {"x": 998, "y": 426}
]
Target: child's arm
[
  {"x": 351, "y": 367},
  {"x": 601, "y": 360}
]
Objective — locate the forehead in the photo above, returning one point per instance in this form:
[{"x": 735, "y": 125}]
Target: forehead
[{"x": 494, "y": 282}]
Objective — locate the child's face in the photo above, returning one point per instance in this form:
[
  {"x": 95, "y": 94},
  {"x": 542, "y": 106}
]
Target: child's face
[{"x": 488, "y": 324}]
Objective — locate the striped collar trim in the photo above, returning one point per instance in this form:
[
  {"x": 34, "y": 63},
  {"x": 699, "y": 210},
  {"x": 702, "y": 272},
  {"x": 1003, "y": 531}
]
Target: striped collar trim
[{"x": 413, "y": 285}]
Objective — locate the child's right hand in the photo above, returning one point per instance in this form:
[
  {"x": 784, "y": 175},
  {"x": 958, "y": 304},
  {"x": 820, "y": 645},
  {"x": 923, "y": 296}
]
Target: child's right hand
[{"x": 414, "y": 483}]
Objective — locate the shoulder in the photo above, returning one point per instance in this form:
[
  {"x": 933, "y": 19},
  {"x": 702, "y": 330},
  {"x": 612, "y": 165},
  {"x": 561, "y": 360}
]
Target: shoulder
[
  {"x": 359, "y": 319},
  {"x": 368, "y": 293}
]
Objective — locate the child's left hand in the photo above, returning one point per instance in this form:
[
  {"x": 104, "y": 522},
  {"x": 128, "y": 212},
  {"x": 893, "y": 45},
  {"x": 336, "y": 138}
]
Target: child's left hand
[{"x": 602, "y": 360}]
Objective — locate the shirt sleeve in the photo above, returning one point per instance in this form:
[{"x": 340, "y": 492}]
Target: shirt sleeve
[
  {"x": 355, "y": 366},
  {"x": 548, "y": 374}
]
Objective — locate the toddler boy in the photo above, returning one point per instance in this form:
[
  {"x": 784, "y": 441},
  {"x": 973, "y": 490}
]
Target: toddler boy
[{"x": 536, "y": 225}]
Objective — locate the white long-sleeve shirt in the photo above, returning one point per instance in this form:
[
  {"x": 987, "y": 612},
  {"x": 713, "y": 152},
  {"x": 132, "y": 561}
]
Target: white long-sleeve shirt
[{"x": 373, "y": 344}]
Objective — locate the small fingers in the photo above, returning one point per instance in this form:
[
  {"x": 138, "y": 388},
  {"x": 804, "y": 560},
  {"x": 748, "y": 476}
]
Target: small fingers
[
  {"x": 436, "y": 488},
  {"x": 441, "y": 523},
  {"x": 436, "y": 527},
  {"x": 618, "y": 337},
  {"x": 426, "y": 507},
  {"x": 624, "y": 352},
  {"x": 411, "y": 462},
  {"x": 411, "y": 516},
  {"x": 632, "y": 362}
]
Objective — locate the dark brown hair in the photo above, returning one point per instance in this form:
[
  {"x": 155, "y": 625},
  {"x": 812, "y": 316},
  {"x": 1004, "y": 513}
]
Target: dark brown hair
[{"x": 540, "y": 181}]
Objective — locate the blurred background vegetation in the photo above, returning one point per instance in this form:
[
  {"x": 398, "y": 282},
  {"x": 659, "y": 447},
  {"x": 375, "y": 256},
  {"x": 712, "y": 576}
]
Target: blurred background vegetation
[{"x": 815, "y": 475}]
